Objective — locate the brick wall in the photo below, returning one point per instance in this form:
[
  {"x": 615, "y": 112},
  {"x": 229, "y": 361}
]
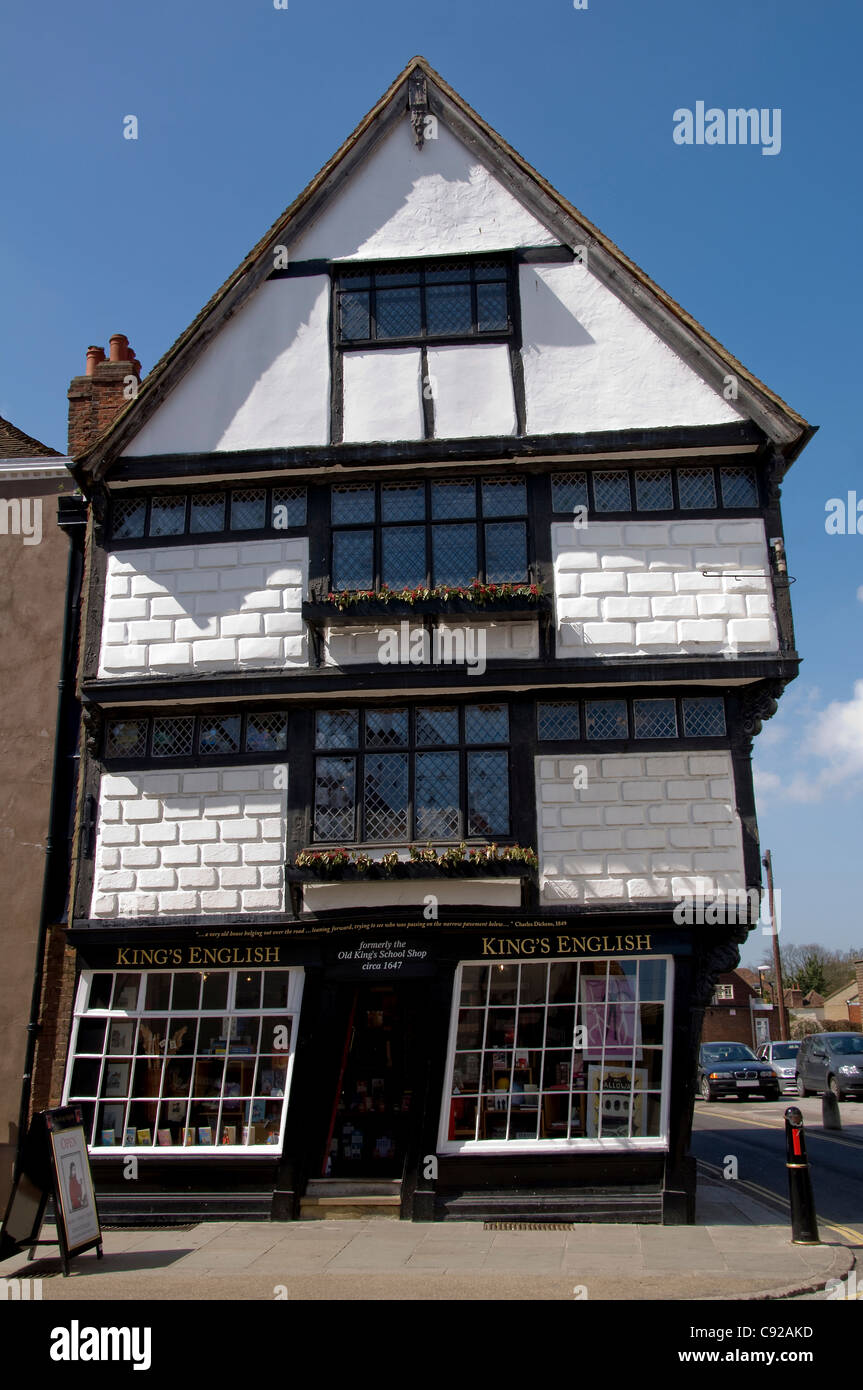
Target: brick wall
[
  {"x": 191, "y": 842},
  {"x": 205, "y": 608},
  {"x": 649, "y": 826},
  {"x": 638, "y": 587}
]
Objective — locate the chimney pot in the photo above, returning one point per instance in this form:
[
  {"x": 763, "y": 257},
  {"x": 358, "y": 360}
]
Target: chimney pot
[
  {"x": 119, "y": 347},
  {"x": 95, "y": 355}
]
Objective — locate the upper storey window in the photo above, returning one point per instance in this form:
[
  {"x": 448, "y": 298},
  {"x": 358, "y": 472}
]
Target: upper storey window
[{"x": 423, "y": 301}]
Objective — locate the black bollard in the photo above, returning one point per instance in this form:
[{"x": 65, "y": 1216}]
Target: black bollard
[
  {"x": 804, "y": 1227},
  {"x": 830, "y": 1117}
]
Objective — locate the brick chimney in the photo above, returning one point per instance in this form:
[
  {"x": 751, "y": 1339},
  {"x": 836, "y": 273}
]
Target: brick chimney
[{"x": 96, "y": 399}]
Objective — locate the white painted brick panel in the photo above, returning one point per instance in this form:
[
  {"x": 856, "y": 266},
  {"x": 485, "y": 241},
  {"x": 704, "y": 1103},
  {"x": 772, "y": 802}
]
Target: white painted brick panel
[
  {"x": 643, "y": 826},
  {"x": 201, "y": 607},
  {"x": 654, "y": 598},
  {"x": 190, "y": 842}
]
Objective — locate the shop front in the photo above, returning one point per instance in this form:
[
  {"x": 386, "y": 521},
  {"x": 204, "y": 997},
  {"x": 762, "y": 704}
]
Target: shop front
[{"x": 535, "y": 1068}]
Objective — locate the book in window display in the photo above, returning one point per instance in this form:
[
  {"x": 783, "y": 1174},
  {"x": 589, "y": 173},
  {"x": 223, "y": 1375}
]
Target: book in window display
[
  {"x": 116, "y": 1082},
  {"x": 610, "y": 1018},
  {"x": 613, "y": 1102}
]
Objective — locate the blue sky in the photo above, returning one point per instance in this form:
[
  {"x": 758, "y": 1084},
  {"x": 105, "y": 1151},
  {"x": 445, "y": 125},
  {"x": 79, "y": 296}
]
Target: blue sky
[{"x": 239, "y": 104}]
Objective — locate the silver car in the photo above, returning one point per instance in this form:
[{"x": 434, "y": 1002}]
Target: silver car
[{"x": 782, "y": 1056}]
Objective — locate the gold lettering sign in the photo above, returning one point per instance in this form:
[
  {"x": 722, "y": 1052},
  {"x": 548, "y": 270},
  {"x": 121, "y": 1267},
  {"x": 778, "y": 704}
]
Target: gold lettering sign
[
  {"x": 563, "y": 945},
  {"x": 141, "y": 957}
]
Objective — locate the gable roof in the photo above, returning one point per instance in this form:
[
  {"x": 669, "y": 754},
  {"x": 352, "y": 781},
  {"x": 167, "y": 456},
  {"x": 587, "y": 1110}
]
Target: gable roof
[
  {"x": 788, "y": 430},
  {"x": 15, "y": 444}
]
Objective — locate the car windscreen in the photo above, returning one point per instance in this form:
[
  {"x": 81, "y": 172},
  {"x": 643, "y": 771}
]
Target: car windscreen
[
  {"x": 727, "y": 1052},
  {"x": 782, "y": 1051},
  {"x": 852, "y": 1043}
]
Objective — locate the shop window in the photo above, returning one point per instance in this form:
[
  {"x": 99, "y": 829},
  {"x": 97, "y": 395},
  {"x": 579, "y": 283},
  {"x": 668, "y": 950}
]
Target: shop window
[
  {"x": 444, "y": 774},
  {"x": 411, "y": 535},
  {"x": 185, "y": 1059},
  {"x": 566, "y": 1053},
  {"x": 437, "y": 301}
]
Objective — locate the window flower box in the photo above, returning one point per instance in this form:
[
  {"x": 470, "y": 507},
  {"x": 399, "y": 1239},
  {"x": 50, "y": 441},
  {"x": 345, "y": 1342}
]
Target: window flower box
[
  {"x": 487, "y": 861},
  {"x": 500, "y": 601}
]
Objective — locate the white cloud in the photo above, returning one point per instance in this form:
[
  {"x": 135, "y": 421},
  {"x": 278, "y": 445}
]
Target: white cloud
[
  {"x": 860, "y": 593},
  {"x": 831, "y": 744}
]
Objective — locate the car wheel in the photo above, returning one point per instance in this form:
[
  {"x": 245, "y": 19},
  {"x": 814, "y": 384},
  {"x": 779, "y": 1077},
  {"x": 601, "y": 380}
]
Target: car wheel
[
  {"x": 802, "y": 1087},
  {"x": 833, "y": 1087},
  {"x": 706, "y": 1093}
]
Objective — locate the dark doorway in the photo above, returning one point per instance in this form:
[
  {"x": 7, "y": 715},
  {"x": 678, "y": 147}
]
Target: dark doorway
[{"x": 376, "y": 1092}]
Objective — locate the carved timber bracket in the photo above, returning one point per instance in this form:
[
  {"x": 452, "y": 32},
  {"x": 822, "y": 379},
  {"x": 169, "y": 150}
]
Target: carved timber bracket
[
  {"x": 419, "y": 108},
  {"x": 94, "y": 723},
  {"x": 756, "y": 706}
]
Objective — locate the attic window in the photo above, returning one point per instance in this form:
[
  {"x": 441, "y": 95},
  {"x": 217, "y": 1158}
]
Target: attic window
[{"x": 424, "y": 301}]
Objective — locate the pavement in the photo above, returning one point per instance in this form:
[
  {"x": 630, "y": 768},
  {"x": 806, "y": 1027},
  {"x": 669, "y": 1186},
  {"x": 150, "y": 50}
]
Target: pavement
[{"x": 738, "y": 1250}]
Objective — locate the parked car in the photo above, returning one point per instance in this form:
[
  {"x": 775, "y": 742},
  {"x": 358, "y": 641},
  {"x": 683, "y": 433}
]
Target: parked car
[
  {"x": 831, "y": 1061},
  {"x": 782, "y": 1057},
  {"x": 732, "y": 1069}
]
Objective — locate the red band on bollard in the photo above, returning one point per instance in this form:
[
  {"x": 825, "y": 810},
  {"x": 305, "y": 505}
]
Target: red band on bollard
[{"x": 795, "y": 1140}]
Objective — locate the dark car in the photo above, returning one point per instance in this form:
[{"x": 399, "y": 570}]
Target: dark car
[
  {"x": 831, "y": 1062},
  {"x": 732, "y": 1069}
]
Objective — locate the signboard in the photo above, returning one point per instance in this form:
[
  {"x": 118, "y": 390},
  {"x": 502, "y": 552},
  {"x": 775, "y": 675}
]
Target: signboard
[
  {"x": 380, "y": 958},
  {"x": 54, "y": 1163}
]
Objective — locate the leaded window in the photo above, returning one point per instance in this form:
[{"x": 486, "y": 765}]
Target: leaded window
[
  {"x": 558, "y": 721},
  {"x": 423, "y": 301},
  {"x": 192, "y": 736},
  {"x": 655, "y": 718},
  {"x": 671, "y": 716},
  {"x": 162, "y": 516},
  {"x": 413, "y": 535},
  {"x": 704, "y": 718},
  {"x": 421, "y": 773},
  {"x": 605, "y": 719},
  {"x": 739, "y": 488},
  {"x": 689, "y": 488}
]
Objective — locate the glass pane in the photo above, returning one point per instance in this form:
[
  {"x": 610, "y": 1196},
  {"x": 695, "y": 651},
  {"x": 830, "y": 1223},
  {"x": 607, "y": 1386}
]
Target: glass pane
[
  {"x": 653, "y": 489},
  {"x": 451, "y": 501},
  {"x": 125, "y": 992},
  {"x": 289, "y": 507},
  {"x": 563, "y": 983},
  {"x": 182, "y": 1033},
  {"x": 486, "y": 723},
  {"x": 703, "y": 718},
  {"x": 534, "y": 981},
  {"x": 353, "y": 560},
  {"x": 506, "y": 552},
  {"x": 248, "y": 509},
  {"x": 386, "y": 796},
  {"x": 276, "y": 985},
  {"x": 403, "y": 557},
  {"x": 447, "y": 272},
  {"x": 334, "y": 799},
  {"x": 448, "y": 309},
  {"x": 354, "y": 279},
  {"x": 437, "y": 795},
  {"x": 490, "y": 270},
  {"x": 208, "y": 512},
  {"x": 403, "y": 502},
  {"x": 100, "y": 991},
  {"x": 128, "y": 518},
  {"x": 219, "y": 735},
  {"x": 503, "y": 497},
  {"x": 611, "y": 491},
  {"x": 557, "y": 721},
  {"x": 454, "y": 554},
  {"x": 437, "y": 726},
  {"x": 275, "y": 1034},
  {"x": 386, "y": 728},
  {"x": 491, "y": 308},
  {"x": 85, "y": 1077},
  {"x": 266, "y": 733},
  {"x": 350, "y": 506},
  {"x": 157, "y": 994},
  {"x": 173, "y": 738},
  {"x": 248, "y": 989},
  {"x": 111, "y": 1125},
  {"x": 488, "y": 794},
  {"x": 127, "y": 738},
  {"x": 167, "y": 516},
  {"x": 696, "y": 488},
  {"x": 354, "y": 307},
  {"x": 606, "y": 719},
  {"x": 471, "y": 1027},
  {"x": 651, "y": 979},
  {"x": 397, "y": 313},
  {"x": 398, "y": 275},
  {"x": 337, "y": 728},
  {"x": 568, "y": 491},
  {"x": 655, "y": 718},
  {"x": 187, "y": 990},
  {"x": 91, "y": 1035},
  {"x": 215, "y": 991},
  {"x": 738, "y": 487}
]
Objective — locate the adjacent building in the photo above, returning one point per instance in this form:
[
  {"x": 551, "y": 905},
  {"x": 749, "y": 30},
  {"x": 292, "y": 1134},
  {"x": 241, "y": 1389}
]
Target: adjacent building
[
  {"x": 435, "y": 592},
  {"x": 738, "y": 1012}
]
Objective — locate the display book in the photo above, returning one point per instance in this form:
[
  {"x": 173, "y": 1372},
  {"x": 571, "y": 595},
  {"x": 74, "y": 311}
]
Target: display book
[{"x": 516, "y": 1093}]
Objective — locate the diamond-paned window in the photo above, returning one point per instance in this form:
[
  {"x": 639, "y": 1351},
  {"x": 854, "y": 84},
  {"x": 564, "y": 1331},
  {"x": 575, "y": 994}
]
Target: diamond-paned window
[
  {"x": 611, "y": 491},
  {"x": 558, "y": 721},
  {"x": 126, "y": 738},
  {"x": 436, "y": 726},
  {"x": 334, "y": 798},
  {"x": 337, "y": 728},
  {"x": 506, "y": 552},
  {"x": 167, "y": 516},
  {"x": 351, "y": 506},
  {"x": 503, "y": 497},
  {"x": 386, "y": 728},
  {"x": 655, "y": 718},
  {"x": 458, "y": 298},
  {"x": 696, "y": 488},
  {"x": 403, "y": 556},
  {"x": 739, "y": 488},
  {"x": 704, "y": 718},
  {"x": 454, "y": 558},
  {"x": 402, "y": 502},
  {"x": 437, "y": 795},
  {"x": 653, "y": 489},
  {"x": 128, "y": 517},
  {"x": 174, "y": 737},
  {"x": 452, "y": 501},
  {"x": 219, "y": 734},
  {"x": 248, "y": 509},
  {"x": 288, "y": 507},
  {"x": 207, "y": 512},
  {"x": 386, "y": 796},
  {"x": 568, "y": 491},
  {"x": 606, "y": 719},
  {"x": 353, "y": 560},
  {"x": 488, "y": 793},
  {"x": 486, "y": 724},
  {"x": 266, "y": 733}
]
